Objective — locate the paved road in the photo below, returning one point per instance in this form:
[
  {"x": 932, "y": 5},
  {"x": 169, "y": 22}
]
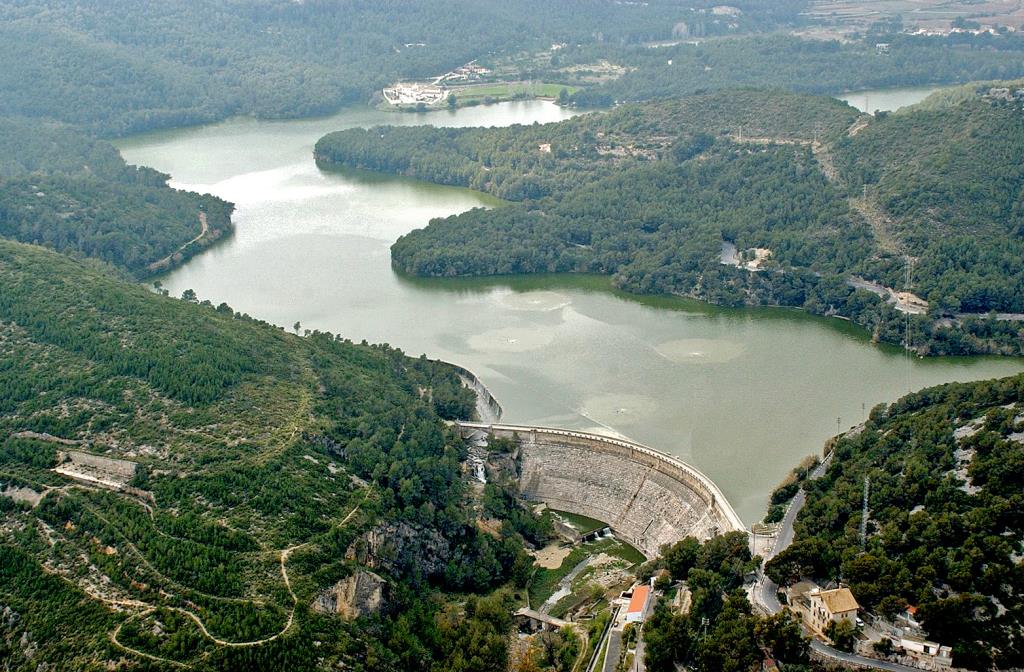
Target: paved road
[
  {"x": 785, "y": 535},
  {"x": 611, "y": 658},
  {"x": 766, "y": 591},
  {"x": 859, "y": 661},
  {"x": 640, "y": 661}
]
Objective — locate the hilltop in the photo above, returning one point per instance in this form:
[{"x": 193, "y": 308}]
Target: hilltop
[
  {"x": 184, "y": 484},
  {"x": 742, "y": 197}
]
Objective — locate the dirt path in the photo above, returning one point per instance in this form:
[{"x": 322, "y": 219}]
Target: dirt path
[
  {"x": 868, "y": 207},
  {"x": 204, "y": 228},
  {"x": 881, "y": 223},
  {"x": 143, "y": 654},
  {"x": 147, "y": 608},
  {"x": 283, "y": 559},
  {"x": 823, "y": 153},
  {"x": 156, "y": 572}
]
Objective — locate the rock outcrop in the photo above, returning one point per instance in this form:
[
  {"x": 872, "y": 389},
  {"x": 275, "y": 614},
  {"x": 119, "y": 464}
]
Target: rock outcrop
[
  {"x": 401, "y": 548},
  {"x": 358, "y": 595}
]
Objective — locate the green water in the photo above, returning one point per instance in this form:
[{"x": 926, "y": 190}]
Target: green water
[
  {"x": 741, "y": 394},
  {"x": 887, "y": 100}
]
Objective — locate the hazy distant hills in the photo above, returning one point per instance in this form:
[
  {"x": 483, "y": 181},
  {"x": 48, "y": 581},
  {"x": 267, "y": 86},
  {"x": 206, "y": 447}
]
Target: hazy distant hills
[
  {"x": 119, "y": 66},
  {"x": 884, "y": 58}
]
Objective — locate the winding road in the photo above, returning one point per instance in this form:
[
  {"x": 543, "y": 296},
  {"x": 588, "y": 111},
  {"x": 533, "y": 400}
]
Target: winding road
[{"x": 766, "y": 591}]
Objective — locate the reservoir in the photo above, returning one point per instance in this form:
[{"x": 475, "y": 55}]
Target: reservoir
[
  {"x": 887, "y": 100},
  {"x": 740, "y": 394}
]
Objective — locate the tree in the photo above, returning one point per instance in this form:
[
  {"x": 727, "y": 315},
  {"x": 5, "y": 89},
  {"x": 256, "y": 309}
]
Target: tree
[
  {"x": 666, "y": 639},
  {"x": 563, "y": 96},
  {"x": 297, "y": 326},
  {"x": 452, "y": 102},
  {"x": 842, "y": 633},
  {"x": 891, "y": 605},
  {"x": 783, "y": 635},
  {"x": 190, "y": 296},
  {"x": 681, "y": 557}
]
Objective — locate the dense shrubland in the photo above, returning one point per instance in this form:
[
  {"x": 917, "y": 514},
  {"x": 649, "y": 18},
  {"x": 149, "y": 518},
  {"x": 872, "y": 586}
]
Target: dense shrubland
[
  {"x": 932, "y": 541},
  {"x": 251, "y": 441}
]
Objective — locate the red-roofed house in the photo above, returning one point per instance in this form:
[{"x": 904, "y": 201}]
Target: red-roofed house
[
  {"x": 909, "y": 616},
  {"x": 638, "y": 604}
]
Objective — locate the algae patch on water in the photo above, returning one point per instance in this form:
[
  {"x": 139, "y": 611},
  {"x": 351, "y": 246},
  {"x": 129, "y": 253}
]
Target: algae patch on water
[{"x": 699, "y": 351}]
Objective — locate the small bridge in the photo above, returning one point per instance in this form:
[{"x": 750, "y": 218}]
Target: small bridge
[
  {"x": 647, "y": 497},
  {"x": 535, "y": 621}
]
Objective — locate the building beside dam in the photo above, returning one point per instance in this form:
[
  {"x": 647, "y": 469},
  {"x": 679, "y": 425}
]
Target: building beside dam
[{"x": 648, "y": 498}]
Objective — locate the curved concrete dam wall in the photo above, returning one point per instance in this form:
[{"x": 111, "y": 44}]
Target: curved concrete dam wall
[
  {"x": 487, "y": 407},
  {"x": 647, "y": 497}
]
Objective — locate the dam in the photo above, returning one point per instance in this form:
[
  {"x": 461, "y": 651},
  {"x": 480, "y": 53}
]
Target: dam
[{"x": 648, "y": 498}]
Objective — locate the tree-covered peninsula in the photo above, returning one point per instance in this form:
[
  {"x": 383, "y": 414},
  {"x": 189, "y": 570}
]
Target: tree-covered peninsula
[
  {"x": 745, "y": 197},
  {"x": 228, "y": 480},
  {"x": 65, "y": 190}
]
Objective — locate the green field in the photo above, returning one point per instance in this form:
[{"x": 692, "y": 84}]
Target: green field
[{"x": 509, "y": 91}]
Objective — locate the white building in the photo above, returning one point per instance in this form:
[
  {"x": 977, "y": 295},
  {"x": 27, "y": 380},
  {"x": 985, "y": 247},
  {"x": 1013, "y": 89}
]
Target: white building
[
  {"x": 831, "y": 606},
  {"x": 638, "y": 604}
]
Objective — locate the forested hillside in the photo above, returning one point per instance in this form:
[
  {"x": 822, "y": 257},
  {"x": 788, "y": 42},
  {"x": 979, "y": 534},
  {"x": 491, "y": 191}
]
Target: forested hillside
[
  {"x": 741, "y": 197},
  {"x": 530, "y": 162},
  {"x": 117, "y": 66},
  {"x": 944, "y": 529},
  {"x": 269, "y": 468},
  {"x": 795, "y": 64},
  {"x": 719, "y": 631},
  {"x": 951, "y": 181},
  {"x": 75, "y": 194}
]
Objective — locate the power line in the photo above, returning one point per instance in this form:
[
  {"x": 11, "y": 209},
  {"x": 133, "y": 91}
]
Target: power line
[{"x": 864, "y": 513}]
